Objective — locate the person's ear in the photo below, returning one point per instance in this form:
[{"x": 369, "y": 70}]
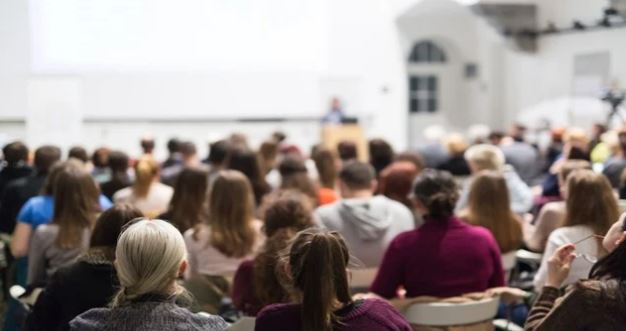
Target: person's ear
[{"x": 182, "y": 268}]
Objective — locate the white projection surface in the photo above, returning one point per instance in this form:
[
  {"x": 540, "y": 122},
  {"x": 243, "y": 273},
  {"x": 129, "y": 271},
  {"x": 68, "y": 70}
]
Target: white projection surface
[
  {"x": 224, "y": 35},
  {"x": 186, "y": 58}
]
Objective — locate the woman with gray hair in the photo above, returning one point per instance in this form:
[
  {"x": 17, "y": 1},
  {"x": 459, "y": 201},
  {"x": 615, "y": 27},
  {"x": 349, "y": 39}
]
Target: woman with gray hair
[{"x": 149, "y": 258}]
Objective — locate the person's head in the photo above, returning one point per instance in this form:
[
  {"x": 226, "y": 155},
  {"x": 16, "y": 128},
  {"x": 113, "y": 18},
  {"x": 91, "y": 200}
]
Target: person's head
[
  {"x": 286, "y": 215},
  {"x": 79, "y": 153},
  {"x": 188, "y": 206},
  {"x": 326, "y": 163},
  {"x": 109, "y": 226},
  {"x": 335, "y": 104},
  {"x": 239, "y": 139},
  {"x": 395, "y": 181},
  {"x": 173, "y": 146},
  {"x": 590, "y": 201},
  {"x": 291, "y": 165},
  {"x": 279, "y": 136},
  {"x": 217, "y": 152},
  {"x": 245, "y": 161},
  {"x": 484, "y": 157},
  {"x": 435, "y": 194},
  {"x": 488, "y": 205},
  {"x": 188, "y": 151},
  {"x": 613, "y": 265},
  {"x": 149, "y": 258},
  {"x": 381, "y": 154},
  {"x": 456, "y": 144},
  {"x": 15, "y": 154},
  {"x": 75, "y": 203},
  {"x": 147, "y": 144},
  {"x": 45, "y": 157},
  {"x": 357, "y": 178},
  {"x": 517, "y": 132},
  {"x": 412, "y": 157},
  {"x": 568, "y": 167},
  {"x": 49, "y": 185},
  {"x": 347, "y": 150},
  {"x": 231, "y": 212},
  {"x": 317, "y": 269},
  {"x": 100, "y": 157},
  {"x": 118, "y": 162},
  {"x": 268, "y": 152},
  {"x": 146, "y": 172},
  {"x": 576, "y": 137},
  {"x": 495, "y": 137},
  {"x": 597, "y": 130},
  {"x": 556, "y": 134}
]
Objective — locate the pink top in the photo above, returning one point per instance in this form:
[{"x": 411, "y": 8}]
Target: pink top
[{"x": 442, "y": 258}]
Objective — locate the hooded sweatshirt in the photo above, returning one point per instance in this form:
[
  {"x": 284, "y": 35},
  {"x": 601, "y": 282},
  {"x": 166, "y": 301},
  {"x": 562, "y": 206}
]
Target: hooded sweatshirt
[{"x": 367, "y": 225}]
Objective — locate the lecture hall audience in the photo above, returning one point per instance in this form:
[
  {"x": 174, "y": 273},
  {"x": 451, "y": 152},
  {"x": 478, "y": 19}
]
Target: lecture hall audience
[{"x": 426, "y": 232}]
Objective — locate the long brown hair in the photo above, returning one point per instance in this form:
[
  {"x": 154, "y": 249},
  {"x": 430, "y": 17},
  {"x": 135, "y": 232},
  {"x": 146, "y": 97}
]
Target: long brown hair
[
  {"x": 109, "y": 226},
  {"x": 326, "y": 164},
  {"x": 76, "y": 204},
  {"x": 188, "y": 206},
  {"x": 590, "y": 201},
  {"x": 489, "y": 206},
  {"x": 231, "y": 212},
  {"x": 289, "y": 213},
  {"x": 317, "y": 262},
  {"x": 146, "y": 170}
]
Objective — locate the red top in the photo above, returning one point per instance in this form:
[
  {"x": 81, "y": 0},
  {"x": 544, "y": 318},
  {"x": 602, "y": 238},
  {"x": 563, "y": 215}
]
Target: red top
[{"x": 442, "y": 258}]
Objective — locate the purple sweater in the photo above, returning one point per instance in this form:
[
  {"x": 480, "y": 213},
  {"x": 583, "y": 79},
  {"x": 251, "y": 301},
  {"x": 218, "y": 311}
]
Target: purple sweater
[
  {"x": 371, "y": 315},
  {"x": 443, "y": 258}
]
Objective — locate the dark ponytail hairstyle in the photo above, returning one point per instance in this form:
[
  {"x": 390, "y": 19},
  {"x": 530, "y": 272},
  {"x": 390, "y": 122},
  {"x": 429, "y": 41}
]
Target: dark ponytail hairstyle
[
  {"x": 318, "y": 260},
  {"x": 437, "y": 191}
]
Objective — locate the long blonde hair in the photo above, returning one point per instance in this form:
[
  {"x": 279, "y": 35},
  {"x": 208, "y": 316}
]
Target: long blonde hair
[
  {"x": 231, "y": 212},
  {"x": 148, "y": 257},
  {"x": 590, "y": 201},
  {"x": 146, "y": 170},
  {"x": 489, "y": 206}
]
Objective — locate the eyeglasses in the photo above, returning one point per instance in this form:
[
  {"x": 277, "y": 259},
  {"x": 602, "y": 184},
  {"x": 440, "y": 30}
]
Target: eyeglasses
[{"x": 588, "y": 257}]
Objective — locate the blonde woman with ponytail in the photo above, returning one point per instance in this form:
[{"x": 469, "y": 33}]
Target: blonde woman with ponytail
[
  {"x": 316, "y": 271},
  {"x": 149, "y": 258},
  {"x": 146, "y": 194}
]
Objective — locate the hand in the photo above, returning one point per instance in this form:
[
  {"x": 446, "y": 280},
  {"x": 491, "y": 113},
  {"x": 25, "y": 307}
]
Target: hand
[{"x": 559, "y": 265}]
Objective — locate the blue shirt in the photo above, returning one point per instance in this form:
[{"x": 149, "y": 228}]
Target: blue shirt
[{"x": 40, "y": 210}]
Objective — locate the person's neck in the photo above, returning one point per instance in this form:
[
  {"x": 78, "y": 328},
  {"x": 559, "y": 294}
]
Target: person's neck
[{"x": 360, "y": 194}]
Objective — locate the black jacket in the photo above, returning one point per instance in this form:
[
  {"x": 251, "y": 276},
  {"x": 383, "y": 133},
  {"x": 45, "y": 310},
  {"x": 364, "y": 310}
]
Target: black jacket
[
  {"x": 88, "y": 283},
  {"x": 15, "y": 195}
]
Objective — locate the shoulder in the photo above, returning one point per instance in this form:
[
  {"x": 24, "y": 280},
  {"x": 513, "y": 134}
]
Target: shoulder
[
  {"x": 392, "y": 204},
  {"x": 196, "y": 235},
  {"x": 381, "y": 312},
  {"x": 276, "y": 310},
  {"x": 163, "y": 189},
  {"x": 92, "y": 319},
  {"x": 327, "y": 213},
  {"x": 569, "y": 233},
  {"x": 202, "y": 320},
  {"x": 122, "y": 194},
  {"x": 404, "y": 239},
  {"x": 46, "y": 230}
]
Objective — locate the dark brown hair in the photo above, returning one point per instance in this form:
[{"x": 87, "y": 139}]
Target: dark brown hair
[
  {"x": 45, "y": 157},
  {"x": 188, "y": 206},
  {"x": 317, "y": 262},
  {"x": 15, "y": 153},
  {"x": 437, "y": 191},
  {"x": 347, "y": 150},
  {"x": 396, "y": 180},
  {"x": 381, "y": 154},
  {"x": 75, "y": 204},
  {"x": 109, "y": 226},
  {"x": 246, "y": 162},
  {"x": 268, "y": 151},
  {"x": 284, "y": 217},
  {"x": 357, "y": 175},
  {"x": 78, "y": 153},
  {"x": 488, "y": 205}
]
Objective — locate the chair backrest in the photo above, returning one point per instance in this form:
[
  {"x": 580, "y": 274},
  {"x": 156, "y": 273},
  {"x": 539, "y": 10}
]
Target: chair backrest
[
  {"x": 508, "y": 260},
  {"x": 243, "y": 324},
  {"x": 449, "y": 314},
  {"x": 362, "y": 278}
]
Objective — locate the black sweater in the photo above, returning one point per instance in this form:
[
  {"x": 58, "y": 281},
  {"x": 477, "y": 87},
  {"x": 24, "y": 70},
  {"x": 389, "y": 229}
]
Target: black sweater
[{"x": 88, "y": 283}]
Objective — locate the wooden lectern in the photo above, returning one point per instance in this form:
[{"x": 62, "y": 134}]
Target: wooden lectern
[{"x": 333, "y": 134}]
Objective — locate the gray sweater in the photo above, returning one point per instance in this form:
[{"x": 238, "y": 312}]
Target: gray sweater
[
  {"x": 146, "y": 316},
  {"x": 367, "y": 224}
]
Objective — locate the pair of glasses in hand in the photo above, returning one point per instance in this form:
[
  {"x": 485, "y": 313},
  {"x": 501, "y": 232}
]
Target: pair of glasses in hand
[{"x": 591, "y": 258}]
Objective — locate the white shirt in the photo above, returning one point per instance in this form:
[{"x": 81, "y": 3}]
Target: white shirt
[
  {"x": 153, "y": 204},
  {"x": 580, "y": 267},
  {"x": 204, "y": 259}
]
